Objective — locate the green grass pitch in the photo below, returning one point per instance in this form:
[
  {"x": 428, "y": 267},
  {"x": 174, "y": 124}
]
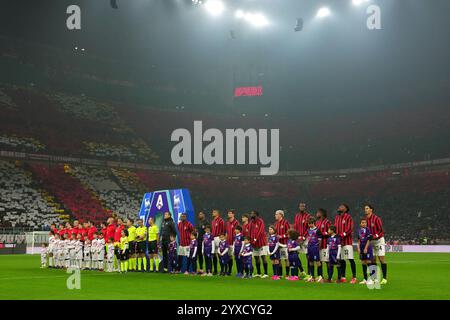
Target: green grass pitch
[{"x": 411, "y": 276}]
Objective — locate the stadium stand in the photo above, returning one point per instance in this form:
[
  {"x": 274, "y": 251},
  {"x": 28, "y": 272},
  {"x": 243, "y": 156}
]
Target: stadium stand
[
  {"x": 21, "y": 203},
  {"x": 101, "y": 181},
  {"x": 80, "y": 202}
]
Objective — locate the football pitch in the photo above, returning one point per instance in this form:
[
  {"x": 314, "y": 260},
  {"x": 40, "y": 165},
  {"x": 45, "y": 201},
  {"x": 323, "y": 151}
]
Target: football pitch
[{"x": 411, "y": 276}]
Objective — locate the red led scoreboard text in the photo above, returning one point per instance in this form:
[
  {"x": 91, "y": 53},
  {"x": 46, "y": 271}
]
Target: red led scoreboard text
[{"x": 248, "y": 91}]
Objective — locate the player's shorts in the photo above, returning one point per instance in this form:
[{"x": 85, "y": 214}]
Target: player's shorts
[
  {"x": 324, "y": 255},
  {"x": 347, "y": 252},
  {"x": 276, "y": 255},
  {"x": 313, "y": 254},
  {"x": 141, "y": 247},
  {"x": 216, "y": 244},
  {"x": 284, "y": 253},
  {"x": 303, "y": 247},
  {"x": 132, "y": 247},
  {"x": 50, "y": 250},
  {"x": 79, "y": 255},
  {"x": 379, "y": 247},
  {"x": 100, "y": 256},
  {"x": 125, "y": 255},
  {"x": 184, "y": 251},
  {"x": 153, "y": 247},
  {"x": 262, "y": 251},
  {"x": 294, "y": 260},
  {"x": 366, "y": 256}
]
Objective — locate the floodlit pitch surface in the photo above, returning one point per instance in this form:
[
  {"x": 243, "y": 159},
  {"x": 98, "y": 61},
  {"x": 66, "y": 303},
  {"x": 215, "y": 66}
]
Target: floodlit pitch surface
[{"x": 411, "y": 276}]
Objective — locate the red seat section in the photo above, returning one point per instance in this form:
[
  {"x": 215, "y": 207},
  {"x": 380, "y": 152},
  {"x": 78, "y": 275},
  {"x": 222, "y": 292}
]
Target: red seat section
[{"x": 81, "y": 203}]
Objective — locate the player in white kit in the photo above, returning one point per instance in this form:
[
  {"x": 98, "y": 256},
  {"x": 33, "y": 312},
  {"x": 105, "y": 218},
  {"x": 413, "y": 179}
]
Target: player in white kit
[
  {"x": 100, "y": 251},
  {"x": 110, "y": 256},
  {"x": 78, "y": 252},
  {"x": 87, "y": 254},
  {"x": 51, "y": 249},
  {"x": 66, "y": 251},
  {"x": 72, "y": 244},
  {"x": 94, "y": 253},
  {"x": 44, "y": 252}
]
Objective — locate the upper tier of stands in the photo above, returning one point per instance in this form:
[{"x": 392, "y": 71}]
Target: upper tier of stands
[{"x": 74, "y": 125}]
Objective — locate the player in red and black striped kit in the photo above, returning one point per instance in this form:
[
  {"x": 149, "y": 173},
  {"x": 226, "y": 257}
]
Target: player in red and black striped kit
[
  {"x": 282, "y": 228},
  {"x": 323, "y": 224},
  {"x": 344, "y": 229},
  {"x": 259, "y": 243},
  {"x": 232, "y": 223},
  {"x": 185, "y": 228},
  {"x": 217, "y": 228},
  {"x": 379, "y": 245},
  {"x": 301, "y": 226}
]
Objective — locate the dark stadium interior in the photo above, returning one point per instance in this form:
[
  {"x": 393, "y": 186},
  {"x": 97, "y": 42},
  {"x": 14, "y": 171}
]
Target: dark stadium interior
[{"x": 363, "y": 116}]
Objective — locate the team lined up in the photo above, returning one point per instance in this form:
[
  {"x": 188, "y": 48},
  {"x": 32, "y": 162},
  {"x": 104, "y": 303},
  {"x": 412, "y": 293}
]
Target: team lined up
[{"x": 226, "y": 243}]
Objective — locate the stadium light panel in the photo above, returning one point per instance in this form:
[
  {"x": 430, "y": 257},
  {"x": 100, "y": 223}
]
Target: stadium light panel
[
  {"x": 323, "y": 12},
  {"x": 239, "y": 14},
  {"x": 358, "y": 2},
  {"x": 256, "y": 19},
  {"x": 214, "y": 7}
]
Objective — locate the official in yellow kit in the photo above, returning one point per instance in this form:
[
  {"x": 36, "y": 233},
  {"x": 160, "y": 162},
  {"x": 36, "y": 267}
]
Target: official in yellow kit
[{"x": 153, "y": 239}]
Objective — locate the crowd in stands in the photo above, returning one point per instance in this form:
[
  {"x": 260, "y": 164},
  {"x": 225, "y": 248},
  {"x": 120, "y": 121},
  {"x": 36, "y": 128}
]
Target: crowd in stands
[
  {"x": 80, "y": 202},
  {"x": 123, "y": 202},
  {"x": 61, "y": 124},
  {"x": 21, "y": 202}
]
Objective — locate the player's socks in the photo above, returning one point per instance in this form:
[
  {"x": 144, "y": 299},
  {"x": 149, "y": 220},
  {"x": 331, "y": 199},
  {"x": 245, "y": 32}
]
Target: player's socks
[
  {"x": 156, "y": 264},
  {"x": 353, "y": 267},
  {"x": 294, "y": 272},
  {"x": 126, "y": 265},
  {"x": 215, "y": 264},
  {"x": 139, "y": 264},
  {"x": 258, "y": 265},
  {"x": 320, "y": 271},
  {"x": 275, "y": 269},
  {"x": 384, "y": 270},
  {"x": 287, "y": 271},
  {"x": 343, "y": 268},
  {"x": 265, "y": 266},
  {"x": 312, "y": 271},
  {"x": 339, "y": 270},
  {"x": 151, "y": 264},
  {"x": 230, "y": 266},
  {"x": 144, "y": 260},
  {"x": 364, "y": 267},
  {"x": 330, "y": 273}
]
